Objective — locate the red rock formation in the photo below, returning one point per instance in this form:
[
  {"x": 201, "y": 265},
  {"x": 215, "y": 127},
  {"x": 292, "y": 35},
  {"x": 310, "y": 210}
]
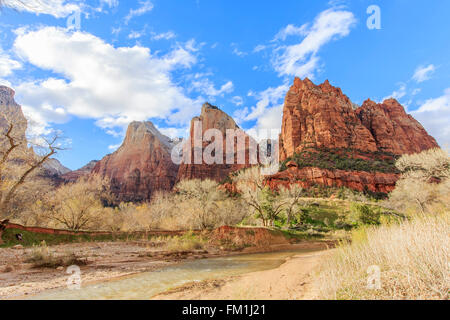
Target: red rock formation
[
  {"x": 141, "y": 165},
  {"x": 322, "y": 117},
  {"x": 356, "y": 180},
  {"x": 212, "y": 117},
  {"x": 394, "y": 131}
]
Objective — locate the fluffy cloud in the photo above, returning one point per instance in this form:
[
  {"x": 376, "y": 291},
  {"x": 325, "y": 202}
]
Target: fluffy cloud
[
  {"x": 423, "y": 73},
  {"x": 145, "y": 6},
  {"x": 56, "y": 8},
  {"x": 434, "y": 115},
  {"x": 301, "y": 59},
  {"x": 7, "y": 65},
  {"x": 93, "y": 79}
]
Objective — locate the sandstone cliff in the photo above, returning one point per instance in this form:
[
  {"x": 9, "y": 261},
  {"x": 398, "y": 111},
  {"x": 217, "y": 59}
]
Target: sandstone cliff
[
  {"x": 212, "y": 117},
  {"x": 322, "y": 131},
  {"x": 321, "y": 116},
  {"x": 141, "y": 165},
  {"x": 394, "y": 131}
]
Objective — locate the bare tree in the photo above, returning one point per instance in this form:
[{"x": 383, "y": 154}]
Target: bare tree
[
  {"x": 251, "y": 185},
  {"x": 291, "y": 197},
  {"x": 18, "y": 165},
  {"x": 77, "y": 206}
]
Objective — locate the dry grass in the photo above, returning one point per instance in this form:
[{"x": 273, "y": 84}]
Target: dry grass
[
  {"x": 412, "y": 256},
  {"x": 187, "y": 242},
  {"x": 42, "y": 257}
]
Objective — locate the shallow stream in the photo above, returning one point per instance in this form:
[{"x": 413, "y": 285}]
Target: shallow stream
[{"x": 148, "y": 284}]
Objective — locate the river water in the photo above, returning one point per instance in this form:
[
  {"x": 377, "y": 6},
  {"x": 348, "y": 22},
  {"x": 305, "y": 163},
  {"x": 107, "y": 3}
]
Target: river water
[{"x": 146, "y": 285}]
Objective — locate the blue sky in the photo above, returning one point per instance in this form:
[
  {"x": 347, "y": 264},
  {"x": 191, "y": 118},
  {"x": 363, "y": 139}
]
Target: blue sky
[{"x": 161, "y": 59}]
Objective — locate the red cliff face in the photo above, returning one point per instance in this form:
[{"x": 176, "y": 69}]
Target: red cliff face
[
  {"x": 141, "y": 165},
  {"x": 320, "y": 117},
  {"x": 356, "y": 180},
  {"x": 394, "y": 131},
  {"x": 323, "y": 118},
  {"x": 212, "y": 117}
]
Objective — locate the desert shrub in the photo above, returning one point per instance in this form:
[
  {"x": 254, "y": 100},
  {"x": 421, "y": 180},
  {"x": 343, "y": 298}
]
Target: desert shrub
[
  {"x": 425, "y": 182},
  {"x": 412, "y": 257},
  {"x": 367, "y": 215}
]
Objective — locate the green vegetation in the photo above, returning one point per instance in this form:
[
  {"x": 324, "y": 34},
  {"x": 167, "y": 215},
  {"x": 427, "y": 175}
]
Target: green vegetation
[
  {"x": 343, "y": 159},
  {"x": 32, "y": 238}
]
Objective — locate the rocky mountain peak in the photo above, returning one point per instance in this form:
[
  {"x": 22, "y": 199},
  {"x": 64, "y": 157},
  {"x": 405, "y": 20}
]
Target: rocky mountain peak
[
  {"x": 141, "y": 165},
  {"x": 140, "y": 131},
  {"x": 7, "y": 96}
]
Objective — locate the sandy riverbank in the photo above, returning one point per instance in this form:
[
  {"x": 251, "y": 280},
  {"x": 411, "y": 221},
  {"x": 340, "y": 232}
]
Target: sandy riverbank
[{"x": 293, "y": 280}]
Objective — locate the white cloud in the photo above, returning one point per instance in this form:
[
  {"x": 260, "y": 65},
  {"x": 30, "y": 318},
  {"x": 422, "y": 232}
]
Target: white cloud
[
  {"x": 237, "y": 100},
  {"x": 267, "y": 98},
  {"x": 434, "y": 115},
  {"x": 109, "y": 3},
  {"x": 206, "y": 87},
  {"x": 135, "y": 34},
  {"x": 423, "y": 73},
  {"x": 397, "y": 94},
  {"x": 291, "y": 30},
  {"x": 259, "y": 48},
  {"x": 175, "y": 132},
  {"x": 416, "y": 91},
  {"x": 163, "y": 36},
  {"x": 301, "y": 59},
  {"x": 145, "y": 6},
  {"x": 268, "y": 111},
  {"x": 56, "y": 8},
  {"x": 238, "y": 52},
  {"x": 114, "y": 147},
  {"x": 113, "y": 85},
  {"x": 7, "y": 65}
]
